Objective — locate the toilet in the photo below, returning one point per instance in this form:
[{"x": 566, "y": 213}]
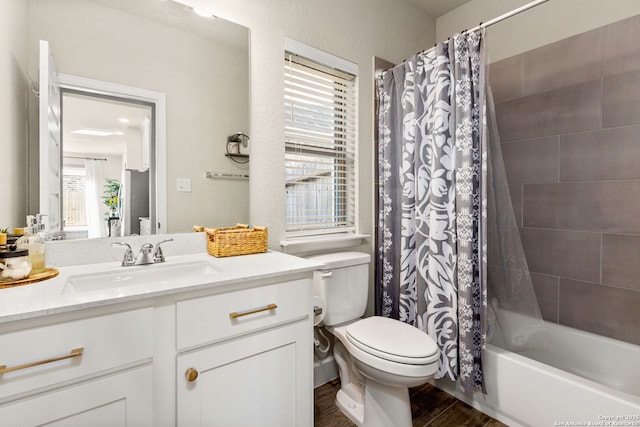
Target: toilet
[{"x": 378, "y": 358}]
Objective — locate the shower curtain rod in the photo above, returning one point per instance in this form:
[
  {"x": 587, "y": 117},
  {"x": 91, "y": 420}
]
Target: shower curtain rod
[
  {"x": 501, "y": 17},
  {"x": 85, "y": 158}
]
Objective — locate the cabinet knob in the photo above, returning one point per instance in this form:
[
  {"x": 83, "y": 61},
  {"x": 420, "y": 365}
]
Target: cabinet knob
[{"x": 191, "y": 374}]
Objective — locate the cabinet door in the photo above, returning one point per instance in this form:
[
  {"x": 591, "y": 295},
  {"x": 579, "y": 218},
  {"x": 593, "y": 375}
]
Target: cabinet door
[
  {"x": 108, "y": 342},
  {"x": 116, "y": 400},
  {"x": 264, "y": 379}
]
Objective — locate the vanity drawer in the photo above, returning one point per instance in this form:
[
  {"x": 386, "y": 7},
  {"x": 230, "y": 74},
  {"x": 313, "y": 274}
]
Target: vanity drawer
[
  {"x": 216, "y": 317},
  {"x": 42, "y": 356}
]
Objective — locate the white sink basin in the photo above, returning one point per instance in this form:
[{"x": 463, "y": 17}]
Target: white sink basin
[{"x": 153, "y": 275}]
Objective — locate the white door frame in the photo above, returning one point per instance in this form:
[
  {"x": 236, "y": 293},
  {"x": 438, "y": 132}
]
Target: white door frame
[
  {"x": 49, "y": 140},
  {"x": 159, "y": 99}
]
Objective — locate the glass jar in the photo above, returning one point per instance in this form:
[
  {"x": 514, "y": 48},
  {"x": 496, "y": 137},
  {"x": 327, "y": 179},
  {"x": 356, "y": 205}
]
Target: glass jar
[
  {"x": 14, "y": 265},
  {"x": 34, "y": 243}
]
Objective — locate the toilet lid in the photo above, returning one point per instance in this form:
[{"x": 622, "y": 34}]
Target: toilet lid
[{"x": 392, "y": 340}]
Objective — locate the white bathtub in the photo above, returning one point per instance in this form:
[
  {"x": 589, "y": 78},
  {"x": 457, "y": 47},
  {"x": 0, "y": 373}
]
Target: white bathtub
[{"x": 578, "y": 378}]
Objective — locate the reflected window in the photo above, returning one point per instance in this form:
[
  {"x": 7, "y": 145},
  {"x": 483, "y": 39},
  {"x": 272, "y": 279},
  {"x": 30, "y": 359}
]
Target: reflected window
[{"x": 73, "y": 194}]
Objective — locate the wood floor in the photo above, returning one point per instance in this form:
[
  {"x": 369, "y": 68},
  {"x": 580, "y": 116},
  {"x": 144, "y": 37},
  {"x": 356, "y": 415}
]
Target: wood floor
[{"x": 429, "y": 406}]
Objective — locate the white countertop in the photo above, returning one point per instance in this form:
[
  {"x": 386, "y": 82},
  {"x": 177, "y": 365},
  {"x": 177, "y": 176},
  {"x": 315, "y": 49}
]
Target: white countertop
[{"x": 57, "y": 296}]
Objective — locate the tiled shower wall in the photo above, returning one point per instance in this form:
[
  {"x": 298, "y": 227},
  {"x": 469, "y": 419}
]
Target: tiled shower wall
[{"x": 569, "y": 120}]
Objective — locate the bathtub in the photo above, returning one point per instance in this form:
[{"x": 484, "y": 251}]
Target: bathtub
[{"x": 568, "y": 377}]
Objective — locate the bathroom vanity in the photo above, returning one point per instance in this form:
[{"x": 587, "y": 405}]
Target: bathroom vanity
[{"x": 195, "y": 341}]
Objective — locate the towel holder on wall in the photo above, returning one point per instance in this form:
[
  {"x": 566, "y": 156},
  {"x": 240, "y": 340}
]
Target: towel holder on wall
[{"x": 234, "y": 143}]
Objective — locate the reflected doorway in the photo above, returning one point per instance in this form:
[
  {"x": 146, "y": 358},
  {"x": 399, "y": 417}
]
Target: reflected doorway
[{"x": 107, "y": 146}]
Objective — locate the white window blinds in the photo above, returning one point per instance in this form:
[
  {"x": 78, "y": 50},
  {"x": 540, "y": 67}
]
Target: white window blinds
[{"x": 320, "y": 135}]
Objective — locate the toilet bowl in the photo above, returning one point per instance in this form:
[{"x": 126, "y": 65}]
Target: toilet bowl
[
  {"x": 378, "y": 358},
  {"x": 404, "y": 353},
  {"x": 383, "y": 358}
]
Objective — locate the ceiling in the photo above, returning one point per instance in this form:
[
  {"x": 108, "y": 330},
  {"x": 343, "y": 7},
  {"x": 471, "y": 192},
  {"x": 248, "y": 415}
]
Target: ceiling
[
  {"x": 172, "y": 13},
  {"x": 101, "y": 114},
  {"x": 437, "y": 8}
]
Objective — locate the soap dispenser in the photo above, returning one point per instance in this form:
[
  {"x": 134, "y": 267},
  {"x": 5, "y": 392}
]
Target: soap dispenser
[
  {"x": 42, "y": 228},
  {"x": 34, "y": 243}
]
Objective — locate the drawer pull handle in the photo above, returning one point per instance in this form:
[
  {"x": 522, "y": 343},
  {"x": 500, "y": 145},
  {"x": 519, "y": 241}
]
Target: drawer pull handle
[
  {"x": 191, "y": 375},
  {"x": 76, "y": 352},
  {"x": 235, "y": 314}
]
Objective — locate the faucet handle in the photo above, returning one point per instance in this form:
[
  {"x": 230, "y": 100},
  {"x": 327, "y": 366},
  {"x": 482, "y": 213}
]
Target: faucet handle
[
  {"x": 158, "y": 256},
  {"x": 146, "y": 248},
  {"x": 128, "y": 254}
]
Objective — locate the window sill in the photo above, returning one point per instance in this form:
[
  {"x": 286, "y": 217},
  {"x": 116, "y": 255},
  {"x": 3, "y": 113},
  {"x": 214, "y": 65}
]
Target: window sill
[{"x": 300, "y": 245}]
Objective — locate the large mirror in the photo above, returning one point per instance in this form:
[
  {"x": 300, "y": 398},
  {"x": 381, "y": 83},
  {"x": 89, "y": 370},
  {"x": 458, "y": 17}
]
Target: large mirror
[{"x": 130, "y": 164}]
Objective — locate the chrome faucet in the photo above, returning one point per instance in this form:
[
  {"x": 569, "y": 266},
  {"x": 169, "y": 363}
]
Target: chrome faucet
[
  {"x": 128, "y": 254},
  {"x": 158, "y": 256},
  {"x": 144, "y": 255}
]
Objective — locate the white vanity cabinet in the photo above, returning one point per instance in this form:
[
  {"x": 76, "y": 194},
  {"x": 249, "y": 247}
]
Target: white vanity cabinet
[
  {"x": 231, "y": 348},
  {"x": 92, "y": 371},
  {"x": 245, "y": 358}
]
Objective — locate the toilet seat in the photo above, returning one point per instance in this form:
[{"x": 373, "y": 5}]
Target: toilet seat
[{"x": 393, "y": 341}]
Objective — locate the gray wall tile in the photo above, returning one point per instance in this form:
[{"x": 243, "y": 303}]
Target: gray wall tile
[
  {"x": 546, "y": 289},
  {"x": 534, "y": 161},
  {"x": 621, "y": 99},
  {"x": 572, "y": 109},
  {"x": 621, "y": 260},
  {"x": 570, "y": 254},
  {"x": 621, "y": 50},
  {"x": 600, "y": 309},
  {"x": 564, "y": 63},
  {"x": 601, "y": 155},
  {"x": 540, "y": 98},
  {"x": 505, "y": 78},
  {"x": 609, "y": 206}
]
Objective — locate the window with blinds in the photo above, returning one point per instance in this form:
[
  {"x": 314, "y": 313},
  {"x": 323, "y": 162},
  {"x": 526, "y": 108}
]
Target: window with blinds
[{"x": 320, "y": 135}]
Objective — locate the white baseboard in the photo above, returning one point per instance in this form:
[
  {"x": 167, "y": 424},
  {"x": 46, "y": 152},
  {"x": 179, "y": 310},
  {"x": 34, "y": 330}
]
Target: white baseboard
[{"x": 324, "y": 370}]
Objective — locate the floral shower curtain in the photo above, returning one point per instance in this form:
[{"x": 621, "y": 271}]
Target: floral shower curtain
[{"x": 431, "y": 262}]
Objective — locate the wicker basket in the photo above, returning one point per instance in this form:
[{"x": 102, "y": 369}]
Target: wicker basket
[{"x": 238, "y": 240}]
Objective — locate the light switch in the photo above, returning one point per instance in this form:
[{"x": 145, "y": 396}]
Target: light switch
[{"x": 184, "y": 184}]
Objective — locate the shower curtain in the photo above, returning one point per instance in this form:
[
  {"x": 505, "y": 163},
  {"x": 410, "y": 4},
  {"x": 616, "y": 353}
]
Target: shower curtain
[{"x": 431, "y": 263}]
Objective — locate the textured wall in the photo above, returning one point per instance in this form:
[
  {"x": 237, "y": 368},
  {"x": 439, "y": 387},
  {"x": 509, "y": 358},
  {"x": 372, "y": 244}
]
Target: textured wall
[
  {"x": 569, "y": 121},
  {"x": 356, "y": 30},
  {"x": 13, "y": 112}
]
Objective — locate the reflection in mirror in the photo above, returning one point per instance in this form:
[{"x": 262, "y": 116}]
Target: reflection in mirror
[
  {"x": 201, "y": 65},
  {"x": 105, "y": 175}
]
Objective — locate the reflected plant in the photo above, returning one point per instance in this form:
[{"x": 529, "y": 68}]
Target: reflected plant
[{"x": 111, "y": 197}]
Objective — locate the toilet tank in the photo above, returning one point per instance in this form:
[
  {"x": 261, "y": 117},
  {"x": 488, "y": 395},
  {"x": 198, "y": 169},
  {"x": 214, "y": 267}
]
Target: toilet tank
[{"x": 343, "y": 285}]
